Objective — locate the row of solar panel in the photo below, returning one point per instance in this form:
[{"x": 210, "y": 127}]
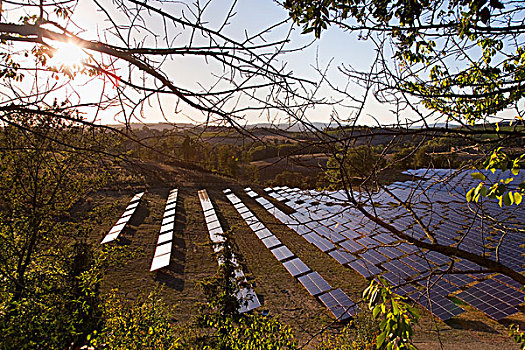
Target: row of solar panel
[
  {"x": 162, "y": 255},
  {"x": 124, "y": 219},
  {"x": 442, "y": 307},
  {"x": 248, "y": 300},
  {"x": 470, "y": 237},
  {"x": 337, "y": 302},
  {"x": 409, "y": 268}
]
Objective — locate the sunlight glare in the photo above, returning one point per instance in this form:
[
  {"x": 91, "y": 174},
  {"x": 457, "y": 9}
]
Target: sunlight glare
[{"x": 67, "y": 54}]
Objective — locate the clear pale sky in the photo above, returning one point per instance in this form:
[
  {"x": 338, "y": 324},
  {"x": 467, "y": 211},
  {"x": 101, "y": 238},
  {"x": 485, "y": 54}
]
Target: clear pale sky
[{"x": 335, "y": 47}]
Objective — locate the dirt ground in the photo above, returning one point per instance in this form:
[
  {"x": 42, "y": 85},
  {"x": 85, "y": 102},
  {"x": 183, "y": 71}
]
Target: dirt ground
[{"x": 280, "y": 294}]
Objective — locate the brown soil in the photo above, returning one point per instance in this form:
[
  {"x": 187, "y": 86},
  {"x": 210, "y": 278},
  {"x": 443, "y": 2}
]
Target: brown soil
[{"x": 280, "y": 293}]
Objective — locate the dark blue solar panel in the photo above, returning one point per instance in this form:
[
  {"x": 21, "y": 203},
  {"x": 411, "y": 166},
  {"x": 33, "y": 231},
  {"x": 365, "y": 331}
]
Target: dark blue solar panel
[
  {"x": 364, "y": 268},
  {"x": 351, "y": 246},
  {"x": 282, "y": 253},
  {"x": 482, "y": 301},
  {"x": 296, "y": 267},
  {"x": 311, "y": 237},
  {"x": 408, "y": 248},
  {"x": 437, "y": 258},
  {"x": 323, "y": 244},
  {"x": 271, "y": 242},
  {"x": 339, "y": 304},
  {"x": 385, "y": 238},
  {"x": 416, "y": 263},
  {"x": 398, "y": 268},
  {"x": 342, "y": 256},
  {"x": 314, "y": 283},
  {"x": 501, "y": 291},
  {"x": 438, "y": 304},
  {"x": 390, "y": 252},
  {"x": 350, "y": 234},
  {"x": 368, "y": 242},
  {"x": 373, "y": 257}
]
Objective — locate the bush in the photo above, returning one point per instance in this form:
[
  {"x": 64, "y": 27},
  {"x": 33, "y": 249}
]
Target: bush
[
  {"x": 359, "y": 334},
  {"x": 142, "y": 324}
]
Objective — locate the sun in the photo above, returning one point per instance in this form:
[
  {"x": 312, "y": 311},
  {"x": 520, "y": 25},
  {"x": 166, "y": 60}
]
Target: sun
[{"x": 67, "y": 54}]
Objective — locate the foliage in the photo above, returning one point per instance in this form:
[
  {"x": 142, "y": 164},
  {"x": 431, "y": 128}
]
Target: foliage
[
  {"x": 50, "y": 275},
  {"x": 359, "y": 162},
  {"x": 397, "y": 316},
  {"x": 219, "y": 324},
  {"x": 517, "y": 335},
  {"x": 491, "y": 66},
  {"x": 141, "y": 324},
  {"x": 359, "y": 334},
  {"x": 504, "y": 190},
  {"x": 293, "y": 179}
]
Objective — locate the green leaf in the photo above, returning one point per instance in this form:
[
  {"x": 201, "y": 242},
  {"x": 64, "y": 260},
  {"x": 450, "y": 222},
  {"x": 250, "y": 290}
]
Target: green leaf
[
  {"x": 517, "y": 198},
  {"x": 478, "y": 176},
  {"x": 470, "y": 193},
  {"x": 376, "y": 311},
  {"x": 506, "y": 199},
  {"x": 381, "y": 339}
]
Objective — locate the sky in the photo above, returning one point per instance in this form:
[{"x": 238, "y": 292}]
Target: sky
[{"x": 334, "y": 49}]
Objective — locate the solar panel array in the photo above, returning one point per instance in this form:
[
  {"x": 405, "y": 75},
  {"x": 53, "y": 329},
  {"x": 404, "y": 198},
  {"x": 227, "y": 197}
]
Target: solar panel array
[
  {"x": 325, "y": 220},
  {"x": 337, "y": 302},
  {"x": 247, "y": 298},
  {"x": 124, "y": 219},
  {"x": 162, "y": 255}
]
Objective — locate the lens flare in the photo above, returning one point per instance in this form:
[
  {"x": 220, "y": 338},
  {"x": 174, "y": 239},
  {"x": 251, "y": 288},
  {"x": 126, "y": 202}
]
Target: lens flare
[{"x": 67, "y": 54}]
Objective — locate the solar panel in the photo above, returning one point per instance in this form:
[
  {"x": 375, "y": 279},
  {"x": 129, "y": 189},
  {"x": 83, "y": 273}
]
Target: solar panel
[
  {"x": 415, "y": 263},
  {"x": 296, "y": 267},
  {"x": 311, "y": 237},
  {"x": 252, "y": 194},
  {"x": 163, "y": 249},
  {"x": 351, "y": 246},
  {"x": 169, "y": 212},
  {"x": 439, "y": 305},
  {"x": 364, "y": 268},
  {"x": 213, "y": 225},
  {"x": 385, "y": 238},
  {"x": 165, "y": 237},
  {"x": 247, "y": 299},
  {"x": 368, "y": 242},
  {"x": 132, "y": 206},
  {"x": 282, "y": 253},
  {"x": 257, "y": 226},
  {"x": 373, "y": 256},
  {"x": 110, "y": 237},
  {"x": 342, "y": 256},
  {"x": 159, "y": 262},
  {"x": 314, "y": 283},
  {"x": 115, "y": 231},
  {"x": 390, "y": 252},
  {"x": 271, "y": 242},
  {"x": 234, "y": 199},
  {"x": 398, "y": 268},
  {"x": 246, "y": 215},
  {"x": 168, "y": 220},
  {"x": 263, "y": 233},
  {"x": 339, "y": 304},
  {"x": 323, "y": 244}
]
